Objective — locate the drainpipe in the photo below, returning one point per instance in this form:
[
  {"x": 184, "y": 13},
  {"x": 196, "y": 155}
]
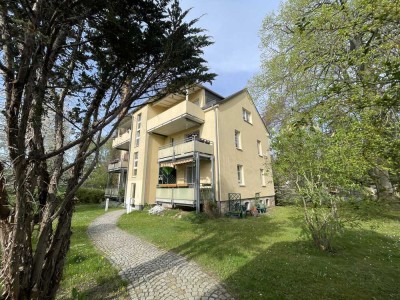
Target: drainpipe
[
  {"x": 126, "y": 202},
  {"x": 218, "y": 167},
  {"x": 197, "y": 181},
  {"x": 146, "y": 160}
]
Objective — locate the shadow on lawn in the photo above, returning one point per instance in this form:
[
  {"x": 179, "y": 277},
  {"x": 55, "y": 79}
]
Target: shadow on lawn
[
  {"x": 365, "y": 266},
  {"x": 105, "y": 288},
  {"x": 230, "y": 238}
]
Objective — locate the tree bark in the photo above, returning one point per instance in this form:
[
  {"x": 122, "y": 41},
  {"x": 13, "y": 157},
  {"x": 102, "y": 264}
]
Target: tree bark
[{"x": 384, "y": 187}]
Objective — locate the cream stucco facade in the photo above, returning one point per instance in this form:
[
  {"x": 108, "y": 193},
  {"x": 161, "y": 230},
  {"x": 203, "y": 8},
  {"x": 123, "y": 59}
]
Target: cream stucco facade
[{"x": 184, "y": 149}]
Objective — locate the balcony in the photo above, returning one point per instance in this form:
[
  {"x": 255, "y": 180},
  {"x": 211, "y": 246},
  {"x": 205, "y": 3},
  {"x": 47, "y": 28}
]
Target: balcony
[
  {"x": 185, "y": 148},
  {"x": 122, "y": 140},
  {"x": 182, "y": 116},
  {"x": 117, "y": 165},
  {"x": 114, "y": 193},
  {"x": 181, "y": 195}
]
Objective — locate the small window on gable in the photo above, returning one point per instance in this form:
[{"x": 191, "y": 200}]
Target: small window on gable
[
  {"x": 240, "y": 175},
  {"x": 238, "y": 142},
  {"x": 259, "y": 148},
  {"x": 262, "y": 176},
  {"x": 247, "y": 116}
]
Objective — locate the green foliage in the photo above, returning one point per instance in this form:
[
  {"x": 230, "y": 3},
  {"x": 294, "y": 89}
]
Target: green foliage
[
  {"x": 323, "y": 222},
  {"x": 329, "y": 88},
  {"x": 87, "y": 64},
  {"x": 89, "y": 195},
  {"x": 98, "y": 177},
  {"x": 76, "y": 295},
  {"x": 210, "y": 208},
  {"x": 329, "y": 81},
  {"x": 88, "y": 274},
  {"x": 259, "y": 258}
]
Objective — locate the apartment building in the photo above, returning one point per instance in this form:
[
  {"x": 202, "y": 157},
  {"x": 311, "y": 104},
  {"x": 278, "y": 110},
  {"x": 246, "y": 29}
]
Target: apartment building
[{"x": 187, "y": 148}]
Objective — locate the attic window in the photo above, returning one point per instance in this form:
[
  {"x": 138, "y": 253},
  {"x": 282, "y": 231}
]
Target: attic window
[{"x": 247, "y": 116}]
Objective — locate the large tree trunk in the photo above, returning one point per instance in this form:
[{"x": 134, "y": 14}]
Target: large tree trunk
[
  {"x": 16, "y": 260},
  {"x": 4, "y": 208},
  {"x": 55, "y": 52},
  {"x": 385, "y": 191},
  {"x": 18, "y": 263}
]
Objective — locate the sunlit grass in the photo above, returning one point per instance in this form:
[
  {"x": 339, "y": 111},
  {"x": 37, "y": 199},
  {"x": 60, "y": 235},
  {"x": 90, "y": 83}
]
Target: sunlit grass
[
  {"x": 87, "y": 270},
  {"x": 270, "y": 258}
]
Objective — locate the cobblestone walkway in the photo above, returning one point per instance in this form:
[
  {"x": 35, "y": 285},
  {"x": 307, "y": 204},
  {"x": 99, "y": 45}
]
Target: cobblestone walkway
[{"x": 152, "y": 273}]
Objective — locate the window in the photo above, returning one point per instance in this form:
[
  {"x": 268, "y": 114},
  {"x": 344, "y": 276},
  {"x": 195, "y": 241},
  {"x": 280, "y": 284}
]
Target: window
[
  {"x": 135, "y": 163},
  {"x": 238, "y": 142},
  {"x": 240, "y": 174},
  {"x": 190, "y": 174},
  {"x": 138, "y": 126},
  {"x": 262, "y": 177},
  {"x": 133, "y": 190},
  {"x": 246, "y": 116},
  {"x": 259, "y": 148}
]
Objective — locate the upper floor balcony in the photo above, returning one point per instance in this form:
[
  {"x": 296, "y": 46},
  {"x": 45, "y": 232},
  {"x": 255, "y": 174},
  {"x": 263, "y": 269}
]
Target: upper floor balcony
[
  {"x": 122, "y": 139},
  {"x": 118, "y": 164},
  {"x": 185, "y": 148},
  {"x": 122, "y": 136},
  {"x": 181, "y": 116}
]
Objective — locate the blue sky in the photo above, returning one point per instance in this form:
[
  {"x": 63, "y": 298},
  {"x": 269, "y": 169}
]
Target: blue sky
[{"x": 234, "y": 27}]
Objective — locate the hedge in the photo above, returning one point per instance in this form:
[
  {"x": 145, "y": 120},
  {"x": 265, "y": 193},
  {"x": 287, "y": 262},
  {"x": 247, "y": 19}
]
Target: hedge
[{"x": 89, "y": 195}]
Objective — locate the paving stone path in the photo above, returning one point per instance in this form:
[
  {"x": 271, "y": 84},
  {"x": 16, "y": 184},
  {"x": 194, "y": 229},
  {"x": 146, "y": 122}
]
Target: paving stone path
[{"x": 152, "y": 273}]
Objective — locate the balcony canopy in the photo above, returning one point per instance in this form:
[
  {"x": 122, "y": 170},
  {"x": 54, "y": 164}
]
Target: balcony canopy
[{"x": 183, "y": 115}]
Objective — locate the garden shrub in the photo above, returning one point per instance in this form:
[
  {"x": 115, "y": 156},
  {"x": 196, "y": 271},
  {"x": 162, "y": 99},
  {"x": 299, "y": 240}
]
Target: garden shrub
[
  {"x": 89, "y": 195},
  {"x": 321, "y": 214},
  {"x": 211, "y": 208}
]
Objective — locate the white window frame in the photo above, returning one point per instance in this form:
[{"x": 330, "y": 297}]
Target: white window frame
[
  {"x": 238, "y": 139},
  {"x": 135, "y": 163},
  {"x": 262, "y": 177},
  {"x": 138, "y": 126},
  {"x": 259, "y": 148},
  {"x": 240, "y": 174},
  {"x": 246, "y": 116}
]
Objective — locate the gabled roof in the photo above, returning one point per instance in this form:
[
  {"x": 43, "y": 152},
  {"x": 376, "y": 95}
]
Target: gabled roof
[
  {"x": 222, "y": 99},
  {"x": 245, "y": 90}
]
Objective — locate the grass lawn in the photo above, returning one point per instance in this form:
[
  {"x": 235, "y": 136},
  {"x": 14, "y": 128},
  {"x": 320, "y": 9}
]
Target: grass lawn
[
  {"x": 269, "y": 257},
  {"x": 86, "y": 269}
]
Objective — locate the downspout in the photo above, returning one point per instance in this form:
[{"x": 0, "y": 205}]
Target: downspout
[
  {"x": 126, "y": 203},
  {"x": 218, "y": 166},
  {"x": 146, "y": 160}
]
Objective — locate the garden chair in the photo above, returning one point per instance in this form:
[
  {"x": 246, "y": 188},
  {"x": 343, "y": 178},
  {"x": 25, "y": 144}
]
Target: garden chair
[{"x": 261, "y": 208}]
